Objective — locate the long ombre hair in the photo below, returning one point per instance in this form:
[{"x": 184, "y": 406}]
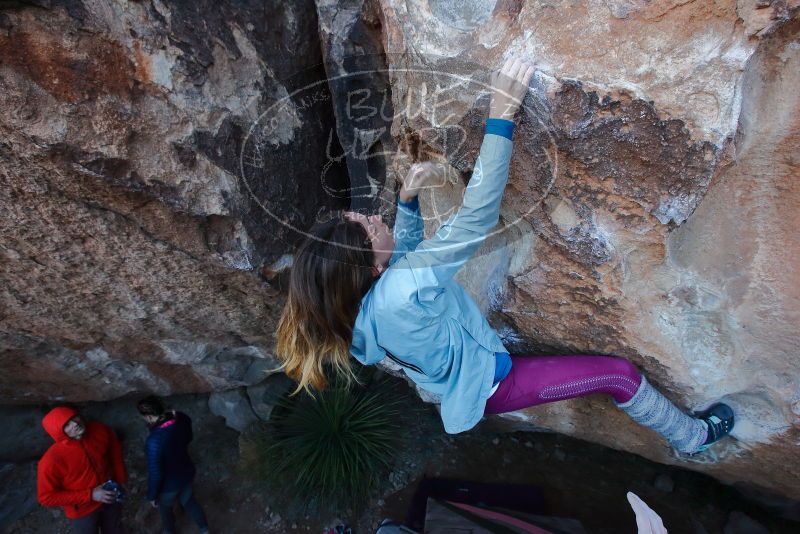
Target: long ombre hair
[{"x": 332, "y": 271}]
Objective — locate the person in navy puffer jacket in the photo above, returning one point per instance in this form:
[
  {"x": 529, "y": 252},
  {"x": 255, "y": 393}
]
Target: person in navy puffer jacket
[{"x": 169, "y": 467}]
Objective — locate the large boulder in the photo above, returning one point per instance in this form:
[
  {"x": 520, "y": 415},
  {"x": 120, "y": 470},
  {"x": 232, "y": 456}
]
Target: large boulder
[
  {"x": 144, "y": 203},
  {"x": 159, "y": 161},
  {"x": 652, "y": 205}
]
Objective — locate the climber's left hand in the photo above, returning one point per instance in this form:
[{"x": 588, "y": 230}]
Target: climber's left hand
[{"x": 509, "y": 86}]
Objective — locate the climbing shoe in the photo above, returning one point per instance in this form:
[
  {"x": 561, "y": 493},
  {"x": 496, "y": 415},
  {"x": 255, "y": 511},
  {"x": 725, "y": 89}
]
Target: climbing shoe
[{"x": 719, "y": 419}]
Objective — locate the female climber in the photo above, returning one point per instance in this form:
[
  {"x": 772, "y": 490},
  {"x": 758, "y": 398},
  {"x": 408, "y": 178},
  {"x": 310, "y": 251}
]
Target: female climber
[{"x": 359, "y": 289}]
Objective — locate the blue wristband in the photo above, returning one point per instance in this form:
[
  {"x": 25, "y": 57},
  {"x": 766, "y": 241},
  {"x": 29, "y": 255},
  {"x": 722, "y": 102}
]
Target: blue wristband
[
  {"x": 412, "y": 205},
  {"x": 501, "y": 127}
]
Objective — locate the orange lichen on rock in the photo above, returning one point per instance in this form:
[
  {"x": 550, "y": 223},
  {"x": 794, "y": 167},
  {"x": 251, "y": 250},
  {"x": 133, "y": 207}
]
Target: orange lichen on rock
[{"x": 71, "y": 72}]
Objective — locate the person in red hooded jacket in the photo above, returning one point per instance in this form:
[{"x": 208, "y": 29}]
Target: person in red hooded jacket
[{"x": 85, "y": 455}]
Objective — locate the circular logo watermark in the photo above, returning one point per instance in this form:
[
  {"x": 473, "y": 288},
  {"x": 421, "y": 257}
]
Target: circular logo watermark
[{"x": 388, "y": 120}]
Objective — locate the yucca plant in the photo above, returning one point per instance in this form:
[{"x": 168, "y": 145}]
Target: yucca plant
[{"x": 327, "y": 452}]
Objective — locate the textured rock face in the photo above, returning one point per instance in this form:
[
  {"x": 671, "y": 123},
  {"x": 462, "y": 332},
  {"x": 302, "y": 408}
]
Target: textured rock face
[
  {"x": 357, "y": 73},
  {"x": 158, "y": 160},
  {"x": 134, "y": 175},
  {"x": 652, "y": 205}
]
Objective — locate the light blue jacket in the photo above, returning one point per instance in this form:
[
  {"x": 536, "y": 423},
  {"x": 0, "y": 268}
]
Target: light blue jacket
[{"x": 424, "y": 318}]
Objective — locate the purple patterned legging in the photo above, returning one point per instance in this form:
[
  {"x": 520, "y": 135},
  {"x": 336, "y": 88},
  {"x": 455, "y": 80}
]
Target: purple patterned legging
[{"x": 540, "y": 379}]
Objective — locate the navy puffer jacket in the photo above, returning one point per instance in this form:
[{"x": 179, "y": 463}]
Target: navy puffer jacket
[{"x": 169, "y": 466}]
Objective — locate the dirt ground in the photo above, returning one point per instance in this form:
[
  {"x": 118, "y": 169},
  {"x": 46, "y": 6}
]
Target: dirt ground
[{"x": 578, "y": 479}]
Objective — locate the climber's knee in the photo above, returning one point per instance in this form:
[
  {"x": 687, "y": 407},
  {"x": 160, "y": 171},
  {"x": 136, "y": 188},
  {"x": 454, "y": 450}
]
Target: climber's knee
[
  {"x": 628, "y": 369},
  {"x": 630, "y": 378}
]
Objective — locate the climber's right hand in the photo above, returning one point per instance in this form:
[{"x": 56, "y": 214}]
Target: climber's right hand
[
  {"x": 509, "y": 86},
  {"x": 421, "y": 176}
]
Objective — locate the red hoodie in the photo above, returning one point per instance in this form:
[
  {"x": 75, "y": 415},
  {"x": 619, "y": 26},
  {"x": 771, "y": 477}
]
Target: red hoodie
[{"x": 71, "y": 469}]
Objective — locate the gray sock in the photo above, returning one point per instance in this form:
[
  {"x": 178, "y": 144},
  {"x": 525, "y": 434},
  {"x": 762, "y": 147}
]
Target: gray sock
[{"x": 650, "y": 408}]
